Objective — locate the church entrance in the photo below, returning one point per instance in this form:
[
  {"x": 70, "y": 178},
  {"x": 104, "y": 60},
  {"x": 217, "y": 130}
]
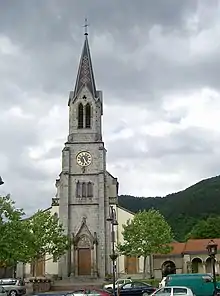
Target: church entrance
[
  {"x": 84, "y": 261},
  {"x": 131, "y": 264}
]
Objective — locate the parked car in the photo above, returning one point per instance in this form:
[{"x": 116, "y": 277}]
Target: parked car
[
  {"x": 13, "y": 287},
  {"x": 173, "y": 291},
  {"x": 3, "y": 292},
  {"x": 92, "y": 291},
  {"x": 201, "y": 284},
  {"x": 136, "y": 288},
  {"x": 118, "y": 284}
]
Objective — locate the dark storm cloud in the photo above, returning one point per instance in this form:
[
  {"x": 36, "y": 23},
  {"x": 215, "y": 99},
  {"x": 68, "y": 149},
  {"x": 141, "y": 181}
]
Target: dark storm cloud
[
  {"x": 141, "y": 52},
  {"x": 49, "y": 31}
]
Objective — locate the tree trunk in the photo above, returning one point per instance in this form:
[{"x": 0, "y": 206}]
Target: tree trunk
[
  {"x": 151, "y": 266},
  {"x": 5, "y": 271},
  {"x": 145, "y": 268}
]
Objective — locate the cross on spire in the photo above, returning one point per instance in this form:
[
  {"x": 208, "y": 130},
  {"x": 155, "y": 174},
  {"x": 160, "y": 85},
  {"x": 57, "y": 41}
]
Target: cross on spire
[{"x": 86, "y": 25}]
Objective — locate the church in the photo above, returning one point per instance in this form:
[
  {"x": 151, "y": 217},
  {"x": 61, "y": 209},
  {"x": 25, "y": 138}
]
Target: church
[{"x": 86, "y": 190}]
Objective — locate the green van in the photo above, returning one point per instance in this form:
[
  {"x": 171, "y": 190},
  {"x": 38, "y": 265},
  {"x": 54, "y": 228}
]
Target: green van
[{"x": 201, "y": 284}]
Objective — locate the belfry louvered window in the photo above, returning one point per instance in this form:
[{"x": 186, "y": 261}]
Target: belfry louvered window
[
  {"x": 80, "y": 115},
  {"x": 88, "y": 115},
  {"x": 84, "y": 189}
]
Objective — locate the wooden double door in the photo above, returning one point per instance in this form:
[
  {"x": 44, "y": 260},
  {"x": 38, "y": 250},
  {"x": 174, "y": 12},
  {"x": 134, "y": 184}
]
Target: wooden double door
[
  {"x": 131, "y": 265},
  {"x": 84, "y": 261}
]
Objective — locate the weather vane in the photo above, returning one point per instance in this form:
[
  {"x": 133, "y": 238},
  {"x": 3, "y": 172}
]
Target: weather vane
[{"x": 86, "y": 26}]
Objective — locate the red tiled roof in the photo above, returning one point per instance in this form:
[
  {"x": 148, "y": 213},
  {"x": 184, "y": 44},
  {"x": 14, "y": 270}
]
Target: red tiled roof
[
  {"x": 196, "y": 245},
  {"x": 177, "y": 248},
  {"x": 192, "y": 245}
]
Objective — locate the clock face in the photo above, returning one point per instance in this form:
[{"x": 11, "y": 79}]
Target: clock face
[{"x": 84, "y": 158}]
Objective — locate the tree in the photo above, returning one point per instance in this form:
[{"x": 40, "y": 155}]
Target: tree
[
  {"x": 207, "y": 228},
  {"x": 29, "y": 240},
  {"x": 13, "y": 233},
  {"x": 46, "y": 237},
  {"x": 146, "y": 234}
]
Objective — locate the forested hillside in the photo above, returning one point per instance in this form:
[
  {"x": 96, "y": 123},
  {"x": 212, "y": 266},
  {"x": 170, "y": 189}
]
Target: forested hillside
[{"x": 182, "y": 209}]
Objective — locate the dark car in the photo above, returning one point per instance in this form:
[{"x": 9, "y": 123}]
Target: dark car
[{"x": 136, "y": 288}]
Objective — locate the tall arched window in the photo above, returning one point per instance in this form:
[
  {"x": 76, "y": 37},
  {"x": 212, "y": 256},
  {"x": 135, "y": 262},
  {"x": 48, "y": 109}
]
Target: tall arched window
[
  {"x": 80, "y": 115},
  {"x": 83, "y": 189},
  {"x": 90, "y": 189},
  {"x": 88, "y": 115},
  {"x": 78, "y": 189}
]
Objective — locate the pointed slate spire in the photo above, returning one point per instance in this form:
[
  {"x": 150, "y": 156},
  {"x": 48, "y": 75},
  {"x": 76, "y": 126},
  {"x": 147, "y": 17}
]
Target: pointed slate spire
[{"x": 85, "y": 76}]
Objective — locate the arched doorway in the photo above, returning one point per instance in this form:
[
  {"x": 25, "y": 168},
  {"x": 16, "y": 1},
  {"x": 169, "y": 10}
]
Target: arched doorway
[
  {"x": 208, "y": 265},
  {"x": 84, "y": 255},
  {"x": 197, "y": 266},
  {"x": 168, "y": 267},
  {"x": 85, "y": 252}
]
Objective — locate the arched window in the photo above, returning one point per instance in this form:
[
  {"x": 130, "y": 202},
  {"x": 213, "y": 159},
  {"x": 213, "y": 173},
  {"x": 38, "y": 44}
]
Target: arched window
[
  {"x": 83, "y": 189},
  {"x": 89, "y": 189},
  {"x": 78, "y": 189},
  {"x": 80, "y": 115},
  {"x": 88, "y": 115},
  {"x": 55, "y": 216}
]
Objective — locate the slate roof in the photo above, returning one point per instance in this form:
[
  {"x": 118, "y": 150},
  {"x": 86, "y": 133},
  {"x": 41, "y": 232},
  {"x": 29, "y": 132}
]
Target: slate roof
[{"x": 85, "y": 76}]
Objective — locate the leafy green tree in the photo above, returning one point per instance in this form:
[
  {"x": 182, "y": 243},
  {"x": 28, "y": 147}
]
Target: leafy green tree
[
  {"x": 46, "y": 237},
  {"x": 13, "y": 233},
  {"x": 207, "y": 228},
  {"x": 146, "y": 234},
  {"x": 29, "y": 240}
]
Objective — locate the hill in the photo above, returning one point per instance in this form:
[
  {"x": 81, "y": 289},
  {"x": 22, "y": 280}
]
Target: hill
[{"x": 181, "y": 209}]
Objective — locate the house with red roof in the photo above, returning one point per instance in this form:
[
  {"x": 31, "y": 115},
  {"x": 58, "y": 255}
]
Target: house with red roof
[{"x": 188, "y": 257}]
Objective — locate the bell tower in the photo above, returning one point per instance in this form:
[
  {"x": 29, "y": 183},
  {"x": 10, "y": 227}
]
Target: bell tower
[
  {"x": 85, "y": 102},
  {"x": 85, "y": 188}
]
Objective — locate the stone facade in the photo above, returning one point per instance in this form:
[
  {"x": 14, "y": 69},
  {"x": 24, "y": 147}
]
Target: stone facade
[
  {"x": 84, "y": 193},
  {"x": 84, "y": 214}
]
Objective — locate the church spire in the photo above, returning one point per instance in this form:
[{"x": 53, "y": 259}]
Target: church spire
[{"x": 85, "y": 76}]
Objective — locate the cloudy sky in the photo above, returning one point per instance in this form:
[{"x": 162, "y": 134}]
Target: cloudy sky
[{"x": 158, "y": 64}]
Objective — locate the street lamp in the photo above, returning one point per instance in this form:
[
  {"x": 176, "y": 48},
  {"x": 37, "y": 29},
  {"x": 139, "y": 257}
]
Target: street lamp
[
  {"x": 113, "y": 256},
  {"x": 212, "y": 248},
  {"x": 1, "y": 181}
]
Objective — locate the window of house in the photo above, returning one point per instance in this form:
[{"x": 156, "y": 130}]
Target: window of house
[{"x": 55, "y": 215}]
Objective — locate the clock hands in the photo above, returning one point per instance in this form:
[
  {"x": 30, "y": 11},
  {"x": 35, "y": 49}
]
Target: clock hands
[
  {"x": 83, "y": 158},
  {"x": 85, "y": 162}
]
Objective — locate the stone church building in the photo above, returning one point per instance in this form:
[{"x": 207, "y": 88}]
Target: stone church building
[{"x": 86, "y": 190}]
